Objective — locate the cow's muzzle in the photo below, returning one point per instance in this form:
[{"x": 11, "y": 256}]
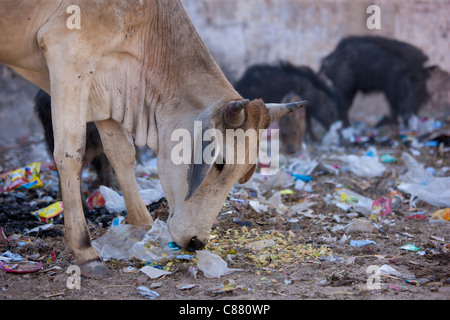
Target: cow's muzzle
[{"x": 195, "y": 244}]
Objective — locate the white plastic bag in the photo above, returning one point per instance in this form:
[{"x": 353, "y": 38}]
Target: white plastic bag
[
  {"x": 422, "y": 185},
  {"x": 125, "y": 241},
  {"x": 332, "y": 138},
  {"x": 416, "y": 174},
  {"x": 212, "y": 265},
  {"x": 436, "y": 192},
  {"x": 115, "y": 203},
  {"x": 117, "y": 242},
  {"x": 364, "y": 166},
  {"x": 156, "y": 246}
]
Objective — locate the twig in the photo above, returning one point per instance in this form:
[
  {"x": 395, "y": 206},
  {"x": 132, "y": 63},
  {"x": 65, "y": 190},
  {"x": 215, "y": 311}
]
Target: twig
[
  {"x": 47, "y": 296},
  {"x": 117, "y": 285}
]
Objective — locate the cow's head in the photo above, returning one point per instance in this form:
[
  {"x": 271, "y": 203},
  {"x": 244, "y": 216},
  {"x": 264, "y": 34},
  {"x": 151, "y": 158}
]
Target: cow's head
[{"x": 197, "y": 191}]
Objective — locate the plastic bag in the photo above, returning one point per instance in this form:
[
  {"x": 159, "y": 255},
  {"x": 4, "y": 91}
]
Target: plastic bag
[
  {"x": 332, "y": 138},
  {"x": 258, "y": 207},
  {"x": 212, "y": 265},
  {"x": 115, "y": 203},
  {"x": 441, "y": 215},
  {"x": 387, "y": 270},
  {"x": 361, "y": 243},
  {"x": 117, "y": 242},
  {"x": 382, "y": 206},
  {"x": 302, "y": 208},
  {"x": 436, "y": 192},
  {"x": 20, "y": 268},
  {"x": 96, "y": 200},
  {"x": 125, "y": 241},
  {"x": 422, "y": 185},
  {"x": 26, "y": 177},
  {"x": 364, "y": 166},
  {"x": 47, "y": 214},
  {"x": 275, "y": 202},
  {"x": 157, "y": 245},
  {"x": 150, "y": 189},
  {"x": 416, "y": 174},
  {"x": 147, "y": 293},
  {"x": 347, "y": 199}
]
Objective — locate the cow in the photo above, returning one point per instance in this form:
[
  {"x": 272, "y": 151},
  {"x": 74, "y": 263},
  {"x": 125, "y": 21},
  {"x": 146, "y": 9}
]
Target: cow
[
  {"x": 377, "y": 64},
  {"x": 274, "y": 82},
  {"x": 94, "y": 154},
  {"x": 138, "y": 69},
  {"x": 292, "y": 128}
]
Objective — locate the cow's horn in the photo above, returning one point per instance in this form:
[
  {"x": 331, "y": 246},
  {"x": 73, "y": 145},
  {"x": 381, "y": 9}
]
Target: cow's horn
[
  {"x": 277, "y": 111},
  {"x": 234, "y": 112}
]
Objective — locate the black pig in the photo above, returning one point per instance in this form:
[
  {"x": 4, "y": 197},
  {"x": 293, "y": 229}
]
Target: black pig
[{"x": 376, "y": 64}]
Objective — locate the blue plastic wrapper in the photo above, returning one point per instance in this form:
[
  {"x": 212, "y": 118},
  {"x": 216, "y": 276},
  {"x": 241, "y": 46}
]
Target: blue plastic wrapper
[
  {"x": 302, "y": 177},
  {"x": 174, "y": 246}
]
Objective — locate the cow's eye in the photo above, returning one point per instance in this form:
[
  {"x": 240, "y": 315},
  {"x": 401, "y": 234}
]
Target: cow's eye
[{"x": 219, "y": 164}]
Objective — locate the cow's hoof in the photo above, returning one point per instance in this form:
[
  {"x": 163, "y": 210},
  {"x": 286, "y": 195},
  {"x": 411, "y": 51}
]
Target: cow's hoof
[{"x": 95, "y": 269}]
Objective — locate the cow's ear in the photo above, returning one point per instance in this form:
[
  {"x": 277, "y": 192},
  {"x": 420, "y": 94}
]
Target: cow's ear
[{"x": 247, "y": 175}]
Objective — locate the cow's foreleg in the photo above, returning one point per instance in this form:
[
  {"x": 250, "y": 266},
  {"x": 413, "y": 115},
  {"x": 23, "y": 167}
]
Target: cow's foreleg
[
  {"x": 119, "y": 148},
  {"x": 69, "y": 124}
]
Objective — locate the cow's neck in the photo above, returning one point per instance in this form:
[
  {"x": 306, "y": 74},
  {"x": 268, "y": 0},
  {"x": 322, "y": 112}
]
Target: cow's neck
[
  {"x": 182, "y": 64},
  {"x": 182, "y": 79}
]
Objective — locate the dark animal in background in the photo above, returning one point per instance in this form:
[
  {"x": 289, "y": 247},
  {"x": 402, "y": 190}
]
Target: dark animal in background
[
  {"x": 292, "y": 128},
  {"x": 438, "y": 86},
  {"x": 94, "y": 156},
  {"x": 376, "y": 64},
  {"x": 274, "y": 82}
]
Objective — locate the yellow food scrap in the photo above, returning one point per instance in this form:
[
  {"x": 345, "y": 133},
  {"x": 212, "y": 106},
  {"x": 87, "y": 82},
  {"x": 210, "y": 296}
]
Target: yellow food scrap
[{"x": 265, "y": 248}]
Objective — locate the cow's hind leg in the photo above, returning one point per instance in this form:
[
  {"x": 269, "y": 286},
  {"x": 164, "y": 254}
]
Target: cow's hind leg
[{"x": 119, "y": 148}]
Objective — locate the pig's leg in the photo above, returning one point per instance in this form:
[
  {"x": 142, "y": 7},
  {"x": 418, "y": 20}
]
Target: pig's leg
[{"x": 119, "y": 148}]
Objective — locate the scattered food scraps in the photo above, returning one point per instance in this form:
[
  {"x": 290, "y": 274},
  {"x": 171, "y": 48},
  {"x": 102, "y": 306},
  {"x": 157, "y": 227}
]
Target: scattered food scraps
[{"x": 273, "y": 248}]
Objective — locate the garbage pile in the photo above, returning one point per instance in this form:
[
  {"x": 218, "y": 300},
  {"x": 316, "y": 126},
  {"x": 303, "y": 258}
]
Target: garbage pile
[{"x": 357, "y": 183}]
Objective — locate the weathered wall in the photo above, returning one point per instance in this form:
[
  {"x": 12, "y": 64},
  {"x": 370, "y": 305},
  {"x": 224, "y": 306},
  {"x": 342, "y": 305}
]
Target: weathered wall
[
  {"x": 240, "y": 33},
  {"x": 243, "y": 32}
]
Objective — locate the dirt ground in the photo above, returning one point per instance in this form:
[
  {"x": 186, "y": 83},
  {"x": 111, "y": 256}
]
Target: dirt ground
[{"x": 307, "y": 255}]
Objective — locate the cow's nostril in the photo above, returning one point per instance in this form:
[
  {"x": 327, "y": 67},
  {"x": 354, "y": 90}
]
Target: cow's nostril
[{"x": 195, "y": 245}]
